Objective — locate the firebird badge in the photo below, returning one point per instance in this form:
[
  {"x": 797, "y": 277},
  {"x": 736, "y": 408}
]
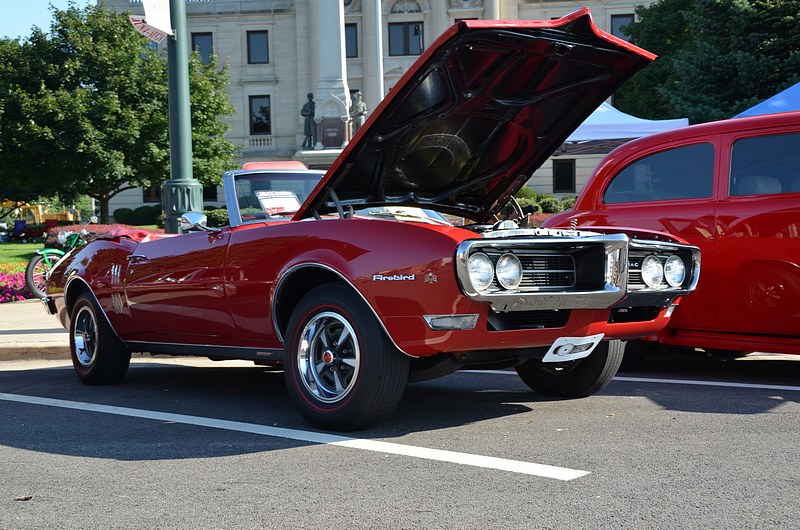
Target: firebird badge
[
  {"x": 393, "y": 277},
  {"x": 431, "y": 278}
]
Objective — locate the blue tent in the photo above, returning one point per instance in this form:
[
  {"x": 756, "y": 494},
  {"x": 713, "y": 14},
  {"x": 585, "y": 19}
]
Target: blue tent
[{"x": 785, "y": 101}]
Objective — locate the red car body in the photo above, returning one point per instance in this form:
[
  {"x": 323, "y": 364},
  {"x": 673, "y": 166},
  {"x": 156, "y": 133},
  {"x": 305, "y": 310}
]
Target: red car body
[
  {"x": 354, "y": 284},
  {"x": 732, "y": 188}
]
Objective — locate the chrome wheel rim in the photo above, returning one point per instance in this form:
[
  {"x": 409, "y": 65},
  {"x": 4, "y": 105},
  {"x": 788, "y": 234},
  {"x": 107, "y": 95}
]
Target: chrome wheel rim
[
  {"x": 328, "y": 357},
  {"x": 84, "y": 337}
]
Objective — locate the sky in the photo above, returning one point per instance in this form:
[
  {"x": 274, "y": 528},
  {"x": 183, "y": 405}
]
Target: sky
[{"x": 19, "y": 16}]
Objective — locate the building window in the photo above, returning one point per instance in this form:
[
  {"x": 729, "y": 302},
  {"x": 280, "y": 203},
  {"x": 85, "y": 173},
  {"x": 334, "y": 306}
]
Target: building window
[
  {"x": 351, "y": 40},
  {"x": 405, "y": 38},
  {"x": 210, "y": 193},
  {"x": 203, "y": 44},
  {"x": 257, "y": 47},
  {"x": 564, "y": 176},
  {"x": 618, "y": 25},
  {"x": 260, "y": 115},
  {"x": 151, "y": 194}
]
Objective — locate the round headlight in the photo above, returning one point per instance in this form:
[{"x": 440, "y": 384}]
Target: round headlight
[
  {"x": 62, "y": 237},
  {"x": 652, "y": 271},
  {"x": 674, "y": 271},
  {"x": 509, "y": 271},
  {"x": 481, "y": 271}
]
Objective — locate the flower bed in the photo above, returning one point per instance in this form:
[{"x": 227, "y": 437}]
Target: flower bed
[{"x": 12, "y": 282}]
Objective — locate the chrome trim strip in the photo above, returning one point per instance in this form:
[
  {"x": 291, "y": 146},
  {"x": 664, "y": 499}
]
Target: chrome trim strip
[{"x": 206, "y": 350}]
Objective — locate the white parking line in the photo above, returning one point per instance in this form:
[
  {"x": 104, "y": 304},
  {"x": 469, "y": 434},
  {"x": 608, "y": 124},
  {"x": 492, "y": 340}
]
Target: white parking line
[
  {"x": 706, "y": 383},
  {"x": 489, "y": 462},
  {"x": 695, "y": 382}
]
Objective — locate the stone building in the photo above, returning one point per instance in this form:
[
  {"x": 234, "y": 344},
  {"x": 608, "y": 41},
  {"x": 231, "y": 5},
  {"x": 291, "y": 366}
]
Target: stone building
[{"x": 278, "y": 51}]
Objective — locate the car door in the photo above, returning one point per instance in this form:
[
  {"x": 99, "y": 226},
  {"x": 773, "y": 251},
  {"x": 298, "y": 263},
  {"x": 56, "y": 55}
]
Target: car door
[
  {"x": 670, "y": 190},
  {"x": 175, "y": 289},
  {"x": 758, "y": 249}
]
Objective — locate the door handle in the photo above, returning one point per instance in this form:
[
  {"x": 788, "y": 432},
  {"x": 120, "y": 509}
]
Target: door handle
[{"x": 136, "y": 257}]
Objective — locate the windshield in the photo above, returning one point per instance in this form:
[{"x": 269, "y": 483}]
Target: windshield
[
  {"x": 274, "y": 194},
  {"x": 405, "y": 213}
]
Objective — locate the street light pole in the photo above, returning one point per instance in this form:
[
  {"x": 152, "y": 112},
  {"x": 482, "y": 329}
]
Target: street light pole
[{"x": 182, "y": 192}]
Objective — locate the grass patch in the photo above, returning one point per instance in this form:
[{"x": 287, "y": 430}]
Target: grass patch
[{"x": 18, "y": 252}]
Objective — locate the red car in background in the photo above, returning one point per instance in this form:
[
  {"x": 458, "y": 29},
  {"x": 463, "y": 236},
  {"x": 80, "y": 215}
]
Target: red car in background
[
  {"x": 733, "y": 189},
  {"x": 354, "y": 284}
]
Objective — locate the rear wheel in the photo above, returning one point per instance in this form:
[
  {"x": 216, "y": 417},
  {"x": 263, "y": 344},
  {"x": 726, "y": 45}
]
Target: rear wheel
[
  {"x": 574, "y": 379},
  {"x": 98, "y": 355},
  {"x": 341, "y": 371}
]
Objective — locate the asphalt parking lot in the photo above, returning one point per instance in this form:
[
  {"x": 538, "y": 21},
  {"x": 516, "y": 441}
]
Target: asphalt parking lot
[{"x": 684, "y": 442}]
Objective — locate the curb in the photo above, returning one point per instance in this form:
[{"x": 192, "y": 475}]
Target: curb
[{"x": 19, "y": 352}]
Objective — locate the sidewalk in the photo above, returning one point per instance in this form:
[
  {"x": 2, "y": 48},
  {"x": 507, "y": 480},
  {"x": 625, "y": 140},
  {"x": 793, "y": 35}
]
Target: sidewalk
[{"x": 28, "y": 332}]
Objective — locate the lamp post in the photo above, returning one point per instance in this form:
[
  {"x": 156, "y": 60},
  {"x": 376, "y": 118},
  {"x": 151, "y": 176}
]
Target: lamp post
[{"x": 181, "y": 193}]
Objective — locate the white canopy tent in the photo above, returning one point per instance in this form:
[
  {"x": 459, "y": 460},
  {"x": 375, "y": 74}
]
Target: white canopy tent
[{"x": 608, "y": 123}]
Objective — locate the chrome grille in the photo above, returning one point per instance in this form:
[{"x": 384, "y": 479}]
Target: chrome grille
[{"x": 540, "y": 270}]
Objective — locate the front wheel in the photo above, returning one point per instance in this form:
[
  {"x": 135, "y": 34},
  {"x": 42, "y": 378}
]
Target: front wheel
[
  {"x": 98, "y": 355},
  {"x": 574, "y": 379},
  {"x": 341, "y": 371},
  {"x": 37, "y": 272}
]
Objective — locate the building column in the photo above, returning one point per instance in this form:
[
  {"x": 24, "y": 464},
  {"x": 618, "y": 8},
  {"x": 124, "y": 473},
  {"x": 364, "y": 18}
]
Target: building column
[
  {"x": 332, "y": 95},
  {"x": 491, "y": 9},
  {"x": 372, "y": 46}
]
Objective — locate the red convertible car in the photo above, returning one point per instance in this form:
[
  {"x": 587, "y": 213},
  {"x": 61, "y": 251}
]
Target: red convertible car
[{"x": 354, "y": 284}]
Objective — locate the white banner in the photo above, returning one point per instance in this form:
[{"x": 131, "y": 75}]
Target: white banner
[
  {"x": 156, "y": 13},
  {"x": 148, "y": 31}
]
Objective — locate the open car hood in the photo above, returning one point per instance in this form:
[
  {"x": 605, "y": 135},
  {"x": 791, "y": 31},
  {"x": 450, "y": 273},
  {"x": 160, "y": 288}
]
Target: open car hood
[{"x": 476, "y": 115}]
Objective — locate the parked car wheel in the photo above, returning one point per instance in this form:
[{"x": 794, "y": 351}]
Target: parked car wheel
[
  {"x": 98, "y": 355},
  {"x": 341, "y": 371},
  {"x": 574, "y": 379},
  {"x": 36, "y": 274}
]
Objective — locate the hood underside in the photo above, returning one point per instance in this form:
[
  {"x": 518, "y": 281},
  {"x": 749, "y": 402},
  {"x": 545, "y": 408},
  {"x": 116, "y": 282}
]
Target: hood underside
[{"x": 476, "y": 115}]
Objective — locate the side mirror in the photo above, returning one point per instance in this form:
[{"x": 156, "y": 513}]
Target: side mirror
[
  {"x": 93, "y": 219},
  {"x": 191, "y": 221}
]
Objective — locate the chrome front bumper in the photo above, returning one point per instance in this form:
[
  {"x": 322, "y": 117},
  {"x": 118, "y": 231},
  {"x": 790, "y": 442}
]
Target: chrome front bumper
[{"x": 49, "y": 305}]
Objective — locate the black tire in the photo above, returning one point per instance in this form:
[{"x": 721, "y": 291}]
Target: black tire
[
  {"x": 36, "y": 274},
  {"x": 341, "y": 385},
  {"x": 98, "y": 355},
  {"x": 574, "y": 379}
]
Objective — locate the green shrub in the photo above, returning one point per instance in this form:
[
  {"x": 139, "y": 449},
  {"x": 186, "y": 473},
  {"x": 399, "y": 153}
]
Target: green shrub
[
  {"x": 529, "y": 202},
  {"x": 568, "y": 203},
  {"x": 123, "y": 215},
  {"x": 550, "y": 204},
  {"x": 145, "y": 215},
  {"x": 525, "y": 193},
  {"x": 217, "y": 218}
]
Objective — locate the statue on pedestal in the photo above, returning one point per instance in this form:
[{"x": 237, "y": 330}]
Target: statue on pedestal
[
  {"x": 309, "y": 126},
  {"x": 358, "y": 111}
]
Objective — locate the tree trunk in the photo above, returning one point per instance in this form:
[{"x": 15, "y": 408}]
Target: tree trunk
[{"x": 103, "y": 209}]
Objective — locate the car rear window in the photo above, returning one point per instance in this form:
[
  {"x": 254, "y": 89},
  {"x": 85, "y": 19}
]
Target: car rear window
[
  {"x": 764, "y": 165},
  {"x": 682, "y": 173}
]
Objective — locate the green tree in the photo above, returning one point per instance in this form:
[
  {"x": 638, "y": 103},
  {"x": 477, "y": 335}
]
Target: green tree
[
  {"x": 716, "y": 57},
  {"x": 88, "y": 109}
]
